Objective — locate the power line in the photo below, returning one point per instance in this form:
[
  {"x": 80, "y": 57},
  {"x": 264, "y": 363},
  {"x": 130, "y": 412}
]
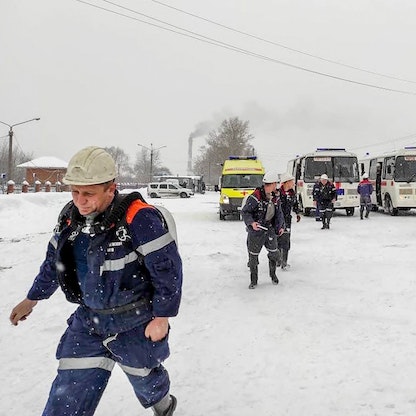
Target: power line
[
  {"x": 410, "y": 136},
  {"x": 282, "y": 45},
  {"x": 206, "y": 39}
]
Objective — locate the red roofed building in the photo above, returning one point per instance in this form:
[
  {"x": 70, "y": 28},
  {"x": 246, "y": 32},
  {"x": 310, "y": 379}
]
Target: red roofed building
[{"x": 44, "y": 169}]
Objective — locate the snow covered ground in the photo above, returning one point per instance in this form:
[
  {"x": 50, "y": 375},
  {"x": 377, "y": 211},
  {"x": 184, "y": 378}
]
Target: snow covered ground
[{"x": 336, "y": 337}]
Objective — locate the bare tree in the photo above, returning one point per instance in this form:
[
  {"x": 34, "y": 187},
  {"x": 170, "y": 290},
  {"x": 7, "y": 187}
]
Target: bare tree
[
  {"x": 148, "y": 165},
  {"x": 231, "y": 138},
  {"x": 142, "y": 166},
  {"x": 18, "y": 157},
  {"x": 122, "y": 161}
]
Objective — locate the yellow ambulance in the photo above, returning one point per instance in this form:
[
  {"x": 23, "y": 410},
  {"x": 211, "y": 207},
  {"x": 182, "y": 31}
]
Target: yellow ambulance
[{"x": 240, "y": 176}]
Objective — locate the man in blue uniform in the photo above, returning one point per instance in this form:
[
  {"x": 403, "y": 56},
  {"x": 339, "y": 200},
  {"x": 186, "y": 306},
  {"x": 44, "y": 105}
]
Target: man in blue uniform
[
  {"x": 365, "y": 189},
  {"x": 324, "y": 195},
  {"x": 117, "y": 258},
  {"x": 289, "y": 203},
  {"x": 264, "y": 221}
]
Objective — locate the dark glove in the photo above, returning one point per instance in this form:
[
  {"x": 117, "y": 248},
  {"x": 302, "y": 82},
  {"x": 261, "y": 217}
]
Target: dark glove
[{"x": 297, "y": 218}]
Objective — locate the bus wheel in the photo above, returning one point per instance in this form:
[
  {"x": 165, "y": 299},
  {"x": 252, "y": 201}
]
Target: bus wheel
[
  {"x": 350, "y": 211},
  {"x": 222, "y": 216},
  {"x": 389, "y": 206}
]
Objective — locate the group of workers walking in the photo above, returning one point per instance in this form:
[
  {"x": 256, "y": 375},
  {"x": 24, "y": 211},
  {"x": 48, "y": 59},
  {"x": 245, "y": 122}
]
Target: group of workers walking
[
  {"x": 116, "y": 257},
  {"x": 267, "y": 214}
]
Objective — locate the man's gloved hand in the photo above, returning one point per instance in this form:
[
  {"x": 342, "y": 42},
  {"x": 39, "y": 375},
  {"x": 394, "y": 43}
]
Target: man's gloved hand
[{"x": 297, "y": 217}]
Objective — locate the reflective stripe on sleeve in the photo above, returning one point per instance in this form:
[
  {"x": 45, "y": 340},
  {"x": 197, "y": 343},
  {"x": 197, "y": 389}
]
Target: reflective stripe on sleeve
[
  {"x": 84, "y": 363},
  {"x": 151, "y": 246},
  {"x": 155, "y": 245},
  {"x": 133, "y": 371},
  {"x": 118, "y": 264},
  {"x": 54, "y": 242}
]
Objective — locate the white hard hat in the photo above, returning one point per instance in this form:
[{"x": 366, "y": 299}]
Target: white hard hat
[
  {"x": 270, "y": 177},
  {"x": 286, "y": 177},
  {"x": 324, "y": 176},
  {"x": 365, "y": 175},
  {"x": 90, "y": 166}
]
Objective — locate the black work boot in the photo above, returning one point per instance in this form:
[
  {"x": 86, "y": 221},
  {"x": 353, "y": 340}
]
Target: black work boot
[
  {"x": 272, "y": 271},
  {"x": 253, "y": 278},
  {"x": 323, "y": 223},
  {"x": 328, "y": 215},
  {"x": 254, "y": 274},
  {"x": 285, "y": 254},
  {"x": 279, "y": 258},
  {"x": 169, "y": 411}
]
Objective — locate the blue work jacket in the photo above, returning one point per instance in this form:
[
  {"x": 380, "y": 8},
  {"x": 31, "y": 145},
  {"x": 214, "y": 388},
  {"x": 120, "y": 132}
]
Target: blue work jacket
[
  {"x": 133, "y": 262},
  {"x": 255, "y": 210}
]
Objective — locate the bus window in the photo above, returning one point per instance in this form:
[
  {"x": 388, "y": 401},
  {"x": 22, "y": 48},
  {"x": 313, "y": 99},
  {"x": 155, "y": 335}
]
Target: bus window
[
  {"x": 405, "y": 170},
  {"x": 316, "y": 166},
  {"x": 372, "y": 174},
  {"x": 298, "y": 171},
  {"x": 389, "y": 166},
  {"x": 346, "y": 169}
]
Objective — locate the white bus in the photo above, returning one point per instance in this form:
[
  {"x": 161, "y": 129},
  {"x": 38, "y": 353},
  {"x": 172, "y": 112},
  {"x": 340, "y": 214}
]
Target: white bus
[
  {"x": 393, "y": 176},
  {"x": 340, "y": 166}
]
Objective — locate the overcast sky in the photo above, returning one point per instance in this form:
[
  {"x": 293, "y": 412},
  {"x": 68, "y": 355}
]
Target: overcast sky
[{"x": 96, "y": 77}]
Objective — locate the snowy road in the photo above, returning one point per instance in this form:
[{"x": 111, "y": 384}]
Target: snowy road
[{"x": 336, "y": 337}]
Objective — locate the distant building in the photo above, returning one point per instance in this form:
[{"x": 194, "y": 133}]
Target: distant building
[{"x": 47, "y": 168}]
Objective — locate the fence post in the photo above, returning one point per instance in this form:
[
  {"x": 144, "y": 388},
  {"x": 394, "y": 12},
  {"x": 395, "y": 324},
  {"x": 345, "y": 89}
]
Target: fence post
[
  {"x": 37, "y": 186},
  {"x": 25, "y": 187},
  {"x": 10, "y": 186}
]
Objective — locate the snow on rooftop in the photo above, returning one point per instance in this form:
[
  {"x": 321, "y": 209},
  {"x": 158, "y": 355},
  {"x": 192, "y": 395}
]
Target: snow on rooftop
[{"x": 44, "y": 162}]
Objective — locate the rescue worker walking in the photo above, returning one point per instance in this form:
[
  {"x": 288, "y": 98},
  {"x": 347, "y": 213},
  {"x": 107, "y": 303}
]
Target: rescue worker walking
[
  {"x": 289, "y": 203},
  {"x": 116, "y": 256},
  {"x": 263, "y": 217},
  {"x": 365, "y": 189},
  {"x": 324, "y": 195}
]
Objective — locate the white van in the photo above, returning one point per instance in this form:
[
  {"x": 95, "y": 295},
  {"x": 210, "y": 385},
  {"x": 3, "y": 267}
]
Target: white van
[{"x": 164, "y": 189}]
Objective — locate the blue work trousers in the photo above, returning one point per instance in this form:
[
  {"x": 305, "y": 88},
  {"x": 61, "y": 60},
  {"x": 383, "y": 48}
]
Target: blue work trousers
[{"x": 86, "y": 360}]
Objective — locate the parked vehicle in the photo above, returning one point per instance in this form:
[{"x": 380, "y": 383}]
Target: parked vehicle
[
  {"x": 195, "y": 182},
  {"x": 393, "y": 176},
  {"x": 340, "y": 166},
  {"x": 166, "y": 189},
  {"x": 240, "y": 176}
]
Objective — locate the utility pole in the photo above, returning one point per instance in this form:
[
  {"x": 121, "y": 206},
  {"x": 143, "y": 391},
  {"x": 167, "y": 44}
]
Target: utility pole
[
  {"x": 151, "y": 157},
  {"x": 10, "y": 158}
]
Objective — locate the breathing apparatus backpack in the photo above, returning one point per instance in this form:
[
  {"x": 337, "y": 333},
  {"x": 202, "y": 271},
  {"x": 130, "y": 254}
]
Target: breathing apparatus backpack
[
  {"x": 117, "y": 216},
  {"x": 114, "y": 221}
]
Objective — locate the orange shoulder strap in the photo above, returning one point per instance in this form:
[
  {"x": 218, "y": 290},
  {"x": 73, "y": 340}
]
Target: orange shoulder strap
[{"x": 134, "y": 208}]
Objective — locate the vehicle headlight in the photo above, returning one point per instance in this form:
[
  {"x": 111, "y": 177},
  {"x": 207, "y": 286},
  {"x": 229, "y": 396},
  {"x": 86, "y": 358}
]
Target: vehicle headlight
[{"x": 225, "y": 199}]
